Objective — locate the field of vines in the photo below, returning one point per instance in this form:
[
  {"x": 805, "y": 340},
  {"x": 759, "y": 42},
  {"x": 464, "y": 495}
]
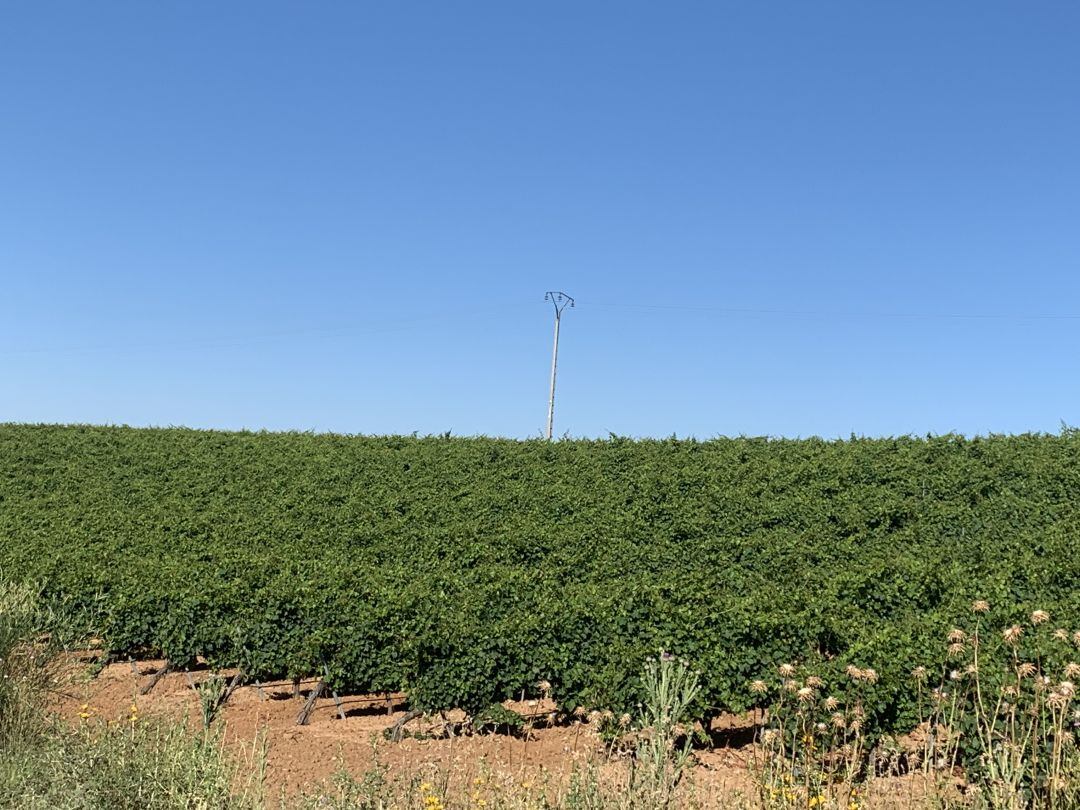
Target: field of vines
[{"x": 463, "y": 571}]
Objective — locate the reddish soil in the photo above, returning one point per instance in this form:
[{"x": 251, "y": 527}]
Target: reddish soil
[{"x": 303, "y": 758}]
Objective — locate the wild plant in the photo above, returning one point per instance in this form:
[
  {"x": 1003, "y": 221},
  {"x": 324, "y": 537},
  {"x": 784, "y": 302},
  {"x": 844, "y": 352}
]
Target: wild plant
[
  {"x": 210, "y": 692},
  {"x": 812, "y": 749},
  {"x": 1005, "y": 709},
  {"x": 664, "y": 743}
]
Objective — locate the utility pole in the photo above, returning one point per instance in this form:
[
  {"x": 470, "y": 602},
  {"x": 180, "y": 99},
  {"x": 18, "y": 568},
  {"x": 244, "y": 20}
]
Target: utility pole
[{"x": 560, "y": 301}]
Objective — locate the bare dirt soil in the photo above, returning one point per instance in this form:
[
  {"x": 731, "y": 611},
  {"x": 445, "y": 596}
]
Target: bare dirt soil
[{"x": 304, "y": 758}]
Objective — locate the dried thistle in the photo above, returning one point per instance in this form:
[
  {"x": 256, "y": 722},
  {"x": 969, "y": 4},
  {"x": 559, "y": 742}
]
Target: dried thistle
[
  {"x": 1012, "y": 634},
  {"x": 980, "y": 606},
  {"x": 1039, "y": 617},
  {"x": 830, "y": 703},
  {"x": 957, "y": 636},
  {"x": 786, "y": 670},
  {"x": 758, "y": 687},
  {"x": 919, "y": 674}
]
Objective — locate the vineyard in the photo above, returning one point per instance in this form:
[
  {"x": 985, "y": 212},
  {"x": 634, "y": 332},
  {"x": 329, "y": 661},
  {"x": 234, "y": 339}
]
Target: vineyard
[{"x": 464, "y": 571}]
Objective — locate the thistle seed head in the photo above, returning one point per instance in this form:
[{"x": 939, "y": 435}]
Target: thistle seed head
[
  {"x": 980, "y": 606},
  {"x": 1012, "y": 634},
  {"x": 1039, "y": 617}
]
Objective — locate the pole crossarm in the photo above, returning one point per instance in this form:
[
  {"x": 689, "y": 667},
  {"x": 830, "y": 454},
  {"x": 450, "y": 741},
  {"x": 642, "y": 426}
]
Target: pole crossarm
[{"x": 559, "y": 300}]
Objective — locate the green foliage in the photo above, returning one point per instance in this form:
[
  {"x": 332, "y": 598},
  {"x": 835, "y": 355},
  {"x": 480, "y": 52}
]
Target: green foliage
[
  {"x": 496, "y": 717},
  {"x": 464, "y": 571}
]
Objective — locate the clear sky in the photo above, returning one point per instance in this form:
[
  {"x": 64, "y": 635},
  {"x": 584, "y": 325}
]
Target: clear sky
[{"x": 777, "y": 218}]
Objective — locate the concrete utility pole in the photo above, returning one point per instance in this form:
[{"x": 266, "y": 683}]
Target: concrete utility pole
[{"x": 560, "y": 301}]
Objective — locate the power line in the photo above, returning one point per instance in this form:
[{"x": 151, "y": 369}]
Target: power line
[
  {"x": 240, "y": 338},
  {"x": 817, "y": 313}
]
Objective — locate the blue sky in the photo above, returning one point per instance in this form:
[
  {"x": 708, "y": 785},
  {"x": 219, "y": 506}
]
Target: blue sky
[{"x": 785, "y": 219}]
